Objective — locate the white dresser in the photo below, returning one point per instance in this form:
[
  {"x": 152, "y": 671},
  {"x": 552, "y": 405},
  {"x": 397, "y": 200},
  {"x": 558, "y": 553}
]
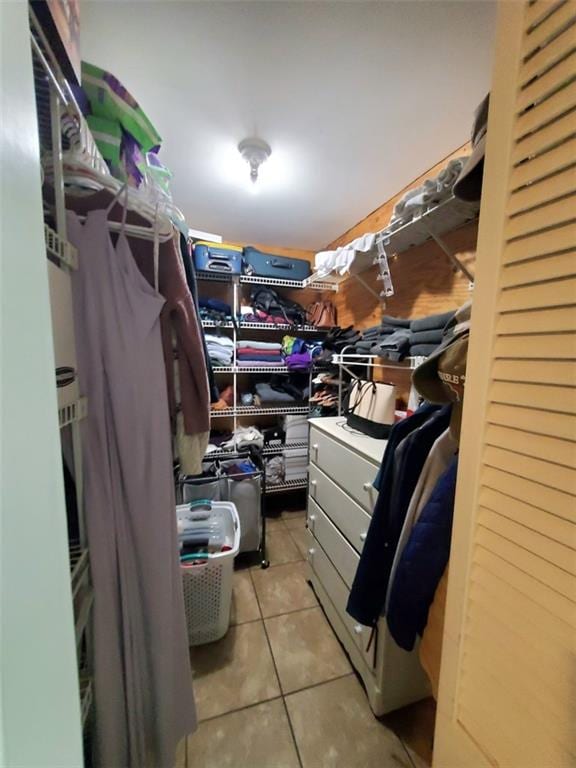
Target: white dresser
[{"x": 343, "y": 466}]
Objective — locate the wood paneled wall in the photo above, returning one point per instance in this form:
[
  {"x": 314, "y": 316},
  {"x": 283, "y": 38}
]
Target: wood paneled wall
[{"x": 424, "y": 279}]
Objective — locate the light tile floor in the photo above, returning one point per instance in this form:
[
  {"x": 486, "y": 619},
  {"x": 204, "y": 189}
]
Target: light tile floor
[{"x": 279, "y": 692}]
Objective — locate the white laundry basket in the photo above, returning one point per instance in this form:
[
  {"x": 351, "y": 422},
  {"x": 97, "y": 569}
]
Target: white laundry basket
[{"x": 208, "y": 586}]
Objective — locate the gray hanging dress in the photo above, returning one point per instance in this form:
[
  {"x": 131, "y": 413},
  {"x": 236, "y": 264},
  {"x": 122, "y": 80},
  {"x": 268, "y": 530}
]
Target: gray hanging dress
[{"x": 142, "y": 679}]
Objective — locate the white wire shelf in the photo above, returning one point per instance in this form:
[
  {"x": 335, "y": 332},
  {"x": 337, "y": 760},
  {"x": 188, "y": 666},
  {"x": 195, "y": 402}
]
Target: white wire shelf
[
  {"x": 277, "y": 282},
  {"x": 249, "y": 410},
  {"x": 63, "y": 251},
  {"x": 272, "y": 450},
  {"x": 373, "y": 361},
  {"x": 282, "y": 283},
  {"x": 431, "y": 224},
  {"x": 72, "y": 412},
  {"x": 79, "y": 565},
  {"x": 213, "y": 324},
  {"x": 251, "y": 369},
  {"x": 268, "y": 450},
  {"x": 83, "y": 614},
  {"x": 287, "y": 485},
  {"x": 445, "y": 217},
  {"x": 86, "y": 697},
  {"x": 281, "y": 327}
]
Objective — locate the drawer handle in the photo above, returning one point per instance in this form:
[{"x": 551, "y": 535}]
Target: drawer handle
[
  {"x": 358, "y": 629},
  {"x": 314, "y": 482},
  {"x": 315, "y": 447},
  {"x": 363, "y": 536},
  {"x": 367, "y": 486}
]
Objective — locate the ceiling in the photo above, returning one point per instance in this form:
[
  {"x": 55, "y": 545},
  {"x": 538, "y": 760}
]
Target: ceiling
[{"x": 356, "y": 99}]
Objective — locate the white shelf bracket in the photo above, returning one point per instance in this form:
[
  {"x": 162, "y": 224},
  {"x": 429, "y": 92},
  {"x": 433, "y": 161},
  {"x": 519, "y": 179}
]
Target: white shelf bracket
[{"x": 451, "y": 255}]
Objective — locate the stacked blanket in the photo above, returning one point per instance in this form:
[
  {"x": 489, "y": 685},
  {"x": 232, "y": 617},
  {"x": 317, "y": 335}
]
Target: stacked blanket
[
  {"x": 264, "y": 353},
  {"x": 220, "y": 349},
  {"x": 396, "y": 338},
  {"x": 427, "y": 333}
]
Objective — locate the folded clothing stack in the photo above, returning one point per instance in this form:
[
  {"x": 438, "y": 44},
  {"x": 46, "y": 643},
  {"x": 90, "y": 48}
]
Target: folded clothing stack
[
  {"x": 215, "y": 310},
  {"x": 429, "y": 194},
  {"x": 296, "y": 428},
  {"x": 335, "y": 341},
  {"x": 295, "y": 463},
  {"x": 396, "y": 338},
  {"x": 389, "y": 339},
  {"x": 220, "y": 349},
  {"x": 253, "y": 315},
  {"x": 427, "y": 333},
  {"x": 264, "y": 353},
  {"x": 297, "y": 353}
]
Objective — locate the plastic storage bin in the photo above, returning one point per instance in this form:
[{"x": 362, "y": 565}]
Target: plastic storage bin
[{"x": 208, "y": 585}]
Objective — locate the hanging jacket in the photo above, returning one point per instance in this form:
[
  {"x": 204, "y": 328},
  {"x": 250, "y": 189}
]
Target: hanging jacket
[
  {"x": 422, "y": 563},
  {"x": 402, "y": 470}
]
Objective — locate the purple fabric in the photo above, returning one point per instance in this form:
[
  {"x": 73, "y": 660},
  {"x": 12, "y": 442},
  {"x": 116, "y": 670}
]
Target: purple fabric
[
  {"x": 299, "y": 361},
  {"x": 142, "y": 679}
]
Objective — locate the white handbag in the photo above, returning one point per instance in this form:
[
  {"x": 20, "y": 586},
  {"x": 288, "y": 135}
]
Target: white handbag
[{"x": 371, "y": 408}]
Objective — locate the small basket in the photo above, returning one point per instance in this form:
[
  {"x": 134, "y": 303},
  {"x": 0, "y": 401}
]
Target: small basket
[{"x": 208, "y": 586}]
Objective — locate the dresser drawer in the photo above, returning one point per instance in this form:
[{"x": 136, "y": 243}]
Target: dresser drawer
[
  {"x": 338, "y": 592},
  {"x": 343, "y": 556},
  {"x": 345, "y": 513},
  {"x": 350, "y": 471}
]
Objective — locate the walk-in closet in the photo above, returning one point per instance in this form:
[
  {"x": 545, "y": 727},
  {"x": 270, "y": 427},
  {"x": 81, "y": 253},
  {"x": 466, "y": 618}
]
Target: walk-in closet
[{"x": 288, "y": 322}]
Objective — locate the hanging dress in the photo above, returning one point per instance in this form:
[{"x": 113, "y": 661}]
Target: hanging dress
[{"x": 142, "y": 679}]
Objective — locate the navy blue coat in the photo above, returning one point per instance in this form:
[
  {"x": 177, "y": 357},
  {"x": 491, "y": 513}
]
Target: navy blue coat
[
  {"x": 368, "y": 593},
  {"x": 422, "y": 563}
]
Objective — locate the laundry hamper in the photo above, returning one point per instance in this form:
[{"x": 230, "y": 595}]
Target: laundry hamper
[{"x": 208, "y": 585}]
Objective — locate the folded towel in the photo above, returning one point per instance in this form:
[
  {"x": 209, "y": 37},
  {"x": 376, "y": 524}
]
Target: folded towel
[
  {"x": 398, "y": 322},
  {"x": 259, "y": 363},
  {"x": 427, "y": 337},
  {"x": 256, "y": 360},
  {"x": 220, "y": 341},
  {"x": 258, "y": 345},
  {"x": 422, "y": 350},
  {"x": 431, "y": 322},
  {"x": 250, "y": 352}
]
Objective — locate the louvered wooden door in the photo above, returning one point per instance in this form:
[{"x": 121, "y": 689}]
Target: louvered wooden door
[{"x": 508, "y": 680}]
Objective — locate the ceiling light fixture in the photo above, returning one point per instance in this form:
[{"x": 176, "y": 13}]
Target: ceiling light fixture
[{"x": 255, "y": 152}]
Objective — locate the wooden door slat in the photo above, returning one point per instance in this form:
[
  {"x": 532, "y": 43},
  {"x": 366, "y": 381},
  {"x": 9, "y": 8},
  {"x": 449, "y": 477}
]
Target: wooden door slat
[
  {"x": 548, "y": 110},
  {"x": 545, "y": 165},
  {"x": 535, "y": 321},
  {"x": 526, "y": 272}
]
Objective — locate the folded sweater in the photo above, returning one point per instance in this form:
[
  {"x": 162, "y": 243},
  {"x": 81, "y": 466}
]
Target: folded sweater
[
  {"x": 251, "y": 344},
  {"x": 426, "y": 337},
  {"x": 431, "y": 322}
]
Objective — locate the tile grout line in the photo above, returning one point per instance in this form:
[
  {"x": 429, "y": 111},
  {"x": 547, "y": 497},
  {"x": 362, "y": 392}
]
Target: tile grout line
[
  {"x": 404, "y": 747},
  {"x": 300, "y": 763},
  {"x": 240, "y": 709}
]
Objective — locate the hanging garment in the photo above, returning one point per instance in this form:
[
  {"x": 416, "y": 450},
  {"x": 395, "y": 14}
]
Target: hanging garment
[
  {"x": 190, "y": 271},
  {"x": 142, "y": 680},
  {"x": 178, "y": 318},
  {"x": 437, "y": 463},
  {"x": 368, "y": 594},
  {"x": 422, "y": 563}
]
